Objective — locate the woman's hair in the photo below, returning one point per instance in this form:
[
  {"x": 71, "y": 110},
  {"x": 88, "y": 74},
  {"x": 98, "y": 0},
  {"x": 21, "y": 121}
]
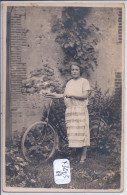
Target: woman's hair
[{"x": 77, "y": 64}]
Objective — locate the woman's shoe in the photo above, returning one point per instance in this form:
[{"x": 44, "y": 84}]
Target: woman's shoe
[{"x": 82, "y": 161}]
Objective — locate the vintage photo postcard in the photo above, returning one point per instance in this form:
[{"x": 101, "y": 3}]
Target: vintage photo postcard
[{"x": 63, "y": 79}]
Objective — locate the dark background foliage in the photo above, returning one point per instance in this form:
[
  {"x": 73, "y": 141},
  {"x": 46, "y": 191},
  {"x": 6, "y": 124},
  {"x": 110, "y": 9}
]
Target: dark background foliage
[{"x": 77, "y": 40}]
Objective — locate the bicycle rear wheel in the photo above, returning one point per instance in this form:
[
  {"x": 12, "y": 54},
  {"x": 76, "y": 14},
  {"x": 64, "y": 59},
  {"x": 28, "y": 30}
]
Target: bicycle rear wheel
[
  {"x": 97, "y": 125},
  {"x": 39, "y": 142}
]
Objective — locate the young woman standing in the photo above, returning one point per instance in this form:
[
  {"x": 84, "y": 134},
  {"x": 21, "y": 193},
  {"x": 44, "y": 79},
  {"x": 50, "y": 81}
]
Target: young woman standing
[{"x": 76, "y": 114}]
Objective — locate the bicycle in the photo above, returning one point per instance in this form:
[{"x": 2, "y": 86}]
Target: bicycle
[{"x": 41, "y": 140}]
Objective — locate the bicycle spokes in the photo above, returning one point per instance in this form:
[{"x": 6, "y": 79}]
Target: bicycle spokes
[
  {"x": 97, "y": 126},
  {"x": 39, "y": 142}
]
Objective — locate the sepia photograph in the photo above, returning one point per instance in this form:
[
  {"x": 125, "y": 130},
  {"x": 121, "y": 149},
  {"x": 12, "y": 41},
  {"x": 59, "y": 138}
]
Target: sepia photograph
[{"x": 63, "y": 81}]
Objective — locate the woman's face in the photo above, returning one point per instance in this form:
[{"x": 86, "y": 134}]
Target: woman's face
[{"x": 75, "y": 72}]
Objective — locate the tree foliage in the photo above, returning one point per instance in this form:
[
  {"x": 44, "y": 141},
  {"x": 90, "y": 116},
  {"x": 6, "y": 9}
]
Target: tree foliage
[{"x": 77, "y": 39}]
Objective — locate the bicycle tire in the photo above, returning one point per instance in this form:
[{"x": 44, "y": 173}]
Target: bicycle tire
[
  {"x": 39, "y": 142},
  {"x": 97, "y": 124}
]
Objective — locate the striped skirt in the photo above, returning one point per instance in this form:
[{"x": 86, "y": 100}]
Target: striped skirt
[{"x": 77, "y": 124}]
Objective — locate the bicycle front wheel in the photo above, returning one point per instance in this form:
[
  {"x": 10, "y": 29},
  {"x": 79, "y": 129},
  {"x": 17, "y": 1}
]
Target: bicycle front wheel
[{"x": 39, "y": 142}]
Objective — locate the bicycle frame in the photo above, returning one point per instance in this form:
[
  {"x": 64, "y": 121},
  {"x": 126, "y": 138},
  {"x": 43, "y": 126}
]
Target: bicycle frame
[{"x": 56, "y": 134}]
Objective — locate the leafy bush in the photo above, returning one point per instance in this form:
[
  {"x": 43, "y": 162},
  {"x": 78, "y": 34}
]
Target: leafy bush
[
  {"x": 105, "y": 105},
  {"x": 108, "y": 108}
]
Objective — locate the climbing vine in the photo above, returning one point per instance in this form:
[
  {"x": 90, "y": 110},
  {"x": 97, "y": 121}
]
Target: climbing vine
[{"x": 77, "y": 39}]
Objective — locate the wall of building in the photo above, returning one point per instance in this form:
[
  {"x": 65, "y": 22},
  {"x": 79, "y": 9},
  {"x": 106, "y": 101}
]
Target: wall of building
[
  {"x": 109, "y": 47},
  {"x": 32, "y": 45},
  {"x": 17, "y": 70}
]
